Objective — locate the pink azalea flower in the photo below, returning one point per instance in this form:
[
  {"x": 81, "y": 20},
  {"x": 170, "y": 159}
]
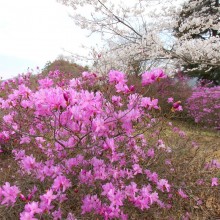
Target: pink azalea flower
[
  {"x": 150, "y": 77},
  {"x": 214, "y": 181},
  {"x": 131, "y": 190},
  {"x": 48, "y": 197},
  {"x": 177, "y": 106},
  {"x": 163, "y": 185},
  {"x": 116, "y": 198},
  {"x": 75, "y": 83},
  {"x": 152, "y": 176},
  {"x": 32, "y": 208},
  {"x": 113, "y": 212},
  {"x": 61, "y": 182},
  {"x": 25, "y": 140},
  {"x": 8, "y": 118},
  {"x": 117, "y": 77},
  {"x": 91, "y": 203},
  {"x": 28, "y": 163},
  {"x": 10, "y": 194},
  {"x": 199, "y": 202},
  {"x": 170, "y": 100},
  {"x": 182, "y": 194},
  {"x": 89, "y": 77},
  {"x": 121, "y": 87},
  {"x": 159, "y": 73},
  {"x": 150, "y": 152},
  {"x": 137, "y": 169},
  {"x": 57, "y": 215},
  {"x": 154, "y": 197},
  {"x": 99, "y": 125},
  {"x": 86, "y": 176},
  {"x": 147, "y": 78},
  {"x": 146, "y": 102},
  {"x": 27, "y": 216},
  {"x": 116, "y": 100},
  {"x": 106, "y": 188},
  {"x": 45, "y": 83}
]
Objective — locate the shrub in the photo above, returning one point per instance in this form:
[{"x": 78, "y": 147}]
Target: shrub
[
  {"x": 102, "y": 151},
  {"x": 204, "y": 105},
  {"x": 177, "y": 87}
]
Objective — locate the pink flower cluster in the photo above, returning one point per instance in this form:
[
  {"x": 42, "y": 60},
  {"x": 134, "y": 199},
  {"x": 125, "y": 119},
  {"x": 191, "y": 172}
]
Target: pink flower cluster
[
  {"x": 204, "y": 106},
  {"x": 119, "y": 79},
  {"x": 8, "y": 194},
  {"x": 92, "y": 145},
  {"x": 150, "y": 77}
]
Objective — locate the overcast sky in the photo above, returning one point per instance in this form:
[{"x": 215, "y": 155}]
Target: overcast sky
[{"x": 33, "y": 32}]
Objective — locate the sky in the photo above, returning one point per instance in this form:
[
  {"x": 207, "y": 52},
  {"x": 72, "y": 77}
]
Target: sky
[{"x": 33, "y": 32}]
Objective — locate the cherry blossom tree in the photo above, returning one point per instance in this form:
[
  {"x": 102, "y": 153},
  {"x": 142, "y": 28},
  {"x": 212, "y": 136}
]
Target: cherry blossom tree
[
  {"x": 144, "y": 34},
  {"x": 131, "y": 34},
  {"x": 198, "y": 43}
]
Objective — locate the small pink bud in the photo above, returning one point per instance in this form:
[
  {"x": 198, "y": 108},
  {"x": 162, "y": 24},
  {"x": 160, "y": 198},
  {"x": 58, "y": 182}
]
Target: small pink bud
[
  {"x": 65, "y": 95},
  {"x": 132, "y": 88},
  {"x": 22, "y": 197},
  {"x": 29, "y": 197}
]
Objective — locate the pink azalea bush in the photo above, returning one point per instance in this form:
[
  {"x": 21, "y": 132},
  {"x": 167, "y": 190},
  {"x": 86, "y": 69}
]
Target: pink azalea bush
[
  {"x": 163, "y": 87},
  {"x": 89, "y": 148},
  {"x": 204, "y": 106}
]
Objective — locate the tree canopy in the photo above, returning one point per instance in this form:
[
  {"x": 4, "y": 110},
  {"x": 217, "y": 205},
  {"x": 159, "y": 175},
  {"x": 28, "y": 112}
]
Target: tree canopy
[
  {"x": 148, "y": 33},
  {"x": 199, "y": 25}
]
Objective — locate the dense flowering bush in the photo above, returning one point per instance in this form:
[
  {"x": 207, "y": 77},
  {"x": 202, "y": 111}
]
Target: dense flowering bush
[
  {"x": 96, "y": 149},
  {"x": 204, "y": 105},
  {"x": 178, "y": 87}
]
